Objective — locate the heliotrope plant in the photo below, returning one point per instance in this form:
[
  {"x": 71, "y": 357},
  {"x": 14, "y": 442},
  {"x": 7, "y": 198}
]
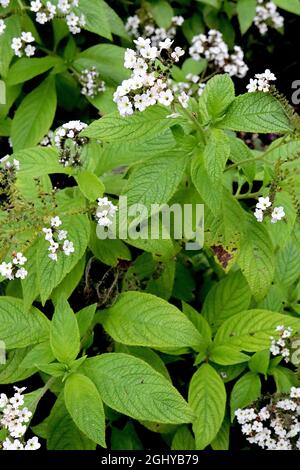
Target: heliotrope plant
[{"x": 104, "y": 325}]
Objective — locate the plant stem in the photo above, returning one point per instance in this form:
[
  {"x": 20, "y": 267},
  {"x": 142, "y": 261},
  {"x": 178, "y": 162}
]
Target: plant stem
[{"x": 195, "y": 121}]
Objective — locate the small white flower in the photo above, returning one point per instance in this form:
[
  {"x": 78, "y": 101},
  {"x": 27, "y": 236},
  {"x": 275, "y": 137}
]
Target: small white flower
[
  {"x": 263, "y": 203},
  {"x": 177, "y": 53},
  {"x": 277, "y": 214},
  {"x": 35, "y": 6},
  {"x": 21, "y": 273},
  {"x": 166, "y": 44},
  {"x": 68, "y": 247},
  {"x": 55, "y": 222},
  {"x": 2, "y": 26},
  {"x": 259, "y": 215},
  {"x": 32, "y": 444}
]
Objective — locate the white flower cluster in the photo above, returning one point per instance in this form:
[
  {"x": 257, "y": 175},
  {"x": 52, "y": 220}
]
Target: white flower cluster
[
  {"x": 91, "y": 83},
  {"x": 67, "y": 139},
  {"x": 267, "y": 15},
  {"x": 15, "y": 165},
  {"x": 263, "y": 206},
  {"x": 261, "y": 82},
  {"x": 47, "y": 139},
  {"x": 191, "y": 87},
  {"x": 136, "y": 29},
  {"x": 22, "y": 45},
  {"x": 2, "y": 26},
  {"x": 147, "y": 86},
  {"x": 214, "y": 49},
  {"x": 57, "y": 239},
  {"x": 47, "y": 12},
  {"x": 276, "y": 426},
  {"x": 105, "y": 212},
  {"x": 280, "y": 346},
  {"x": 15, "y": 268},
  {"x": 15, "y": 418},
  {"x": 4, "y": 3}
]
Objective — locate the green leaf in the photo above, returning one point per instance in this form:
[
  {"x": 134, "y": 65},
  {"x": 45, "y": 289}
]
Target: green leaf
[
  {"x": 140, "y": 319},
  {"x": 284, "y": 379},
  {"x": 26, "y": 68},
  {"x": 61, "y": 431},
  {"x": 218, "y": 95},
  {"x": 162, "y": 13},
  {"x": 210, "y": 192},
  {"x": 11, "y": 372},
  {"x": 39, "y": 161},
  {"x": 221, "y": 441},
  {"x": 207, "y": 397},
  {"x": 70, "y": 282},
  {"x": 40, "y": 354},
  {"x": 108, "y": 251},
  {"x": 85, "y": 406},
  {"x": 50, "y": 273},
  {"x": 256, "y": 112},
  {"x": 216, "y": 154},
  {"x": 293, "y": 6},
  {"x": 64, "y": 333},
  {"x": 229, "y": 296},
  {"x": 226, "y": 356},
  {"x": 138, "y": 127},
  {"x": 20, "y": 328},
  {"x": 34, "y": 116},
  {"x": 130, "y": 386},
  {"x": 287, "y": 263},
  {"x": 245, "y": 391},
  {"x": 256, "y": 258},
  {"x": 199, "y": 321},
  {"x": 2, "y": 92},
  {"x": 90, "y": 185},
  {"x": 95, "y": 16},
  {"x": 251, "y": 330},
  {"x": 156, "y": 180},
  {"x": 183, "y": 439},
  {"x": 85, "y": 317},
  {"x": 125, "y": 439},
  {"x": 259, "y": 362},
  {"x": 108, "y": 60},
  {"x": 238, "y": 152},
  {"x": 246, "y": 10}
]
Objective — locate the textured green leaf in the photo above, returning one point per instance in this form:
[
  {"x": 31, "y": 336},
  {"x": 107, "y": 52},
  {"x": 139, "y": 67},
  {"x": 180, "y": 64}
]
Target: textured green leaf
[
  {"x": 64, "y": 333},
  {"x": 216, "y": 154},
  {"x": 246, "y": 10},
  {"x": 138, "y": 127},
  {"x": 207, "y": 397},
  {"x": 61, "y": 431},
  {"x": 20, "y": 328},
  {"x": 246, "y": 390},
  {"x": 39, "y": 161},
  {"x": 287, "y": 263},
  {"x": 221, "y": 441},
  {"x": 10, "y": 372},
  {"x": 95, "y": 16},
  {"x": 90, "y": 185},
  {"x": 226, "y": 356},
  {"x": 256, "y": 258},
  {"x": 156, "y": 180},
  {"x": 34, "y": 116},
  {"x": 256, "y": 112},
  {"x": 293, "y": 6},
  {"x": 129, "y": 385},
  {"x": 85, "y": 406},
  {"x": 140, "y": 319},
  {"x": 26, "y": 68},
  {"x": 251, "y": 330},
  {"x": 229, "y": 296},
  {"x": 183, "y": 439},
  {"x": 259, "y": 362},
  {"x": 13, "y": 29},
  {"x": 218, "y": 95}
]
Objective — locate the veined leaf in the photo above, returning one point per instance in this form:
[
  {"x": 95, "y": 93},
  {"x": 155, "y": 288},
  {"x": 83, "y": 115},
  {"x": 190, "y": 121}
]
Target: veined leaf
[
  {"x": 129, "y": 385},
  {"x": 138, "y": 127},
  {"x": 207, "y": 397},
  {"x": 140, "y": 319},
  {"x": 246, "y": 390},
  {"x": 34, "y": 116},
  {"x": 64, "y": 333},
  {"x": 251, "y": 330},
  {"x": 20, "y": 328},
  {"x": 256, "y": 112},
  {"x": 85, "y": 406}
]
